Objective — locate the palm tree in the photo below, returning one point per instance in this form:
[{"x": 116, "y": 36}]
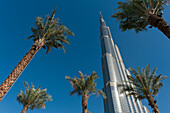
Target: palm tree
[
  {"x": 137, "y": 14},
  {"x": 145, "y": 85},
  {"x": 85, "y": 86},
  {"x": 49, "y": 34},
  {"x": 33, "y": 98}
]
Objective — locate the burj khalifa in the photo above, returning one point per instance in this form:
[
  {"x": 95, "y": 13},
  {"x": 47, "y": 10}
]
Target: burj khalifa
[{"x": 114, "y": 72}]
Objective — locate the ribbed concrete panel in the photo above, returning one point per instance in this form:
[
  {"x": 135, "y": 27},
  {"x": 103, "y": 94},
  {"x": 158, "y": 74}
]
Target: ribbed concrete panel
[
  {"x": 140, "y": 107},
  {"x": 117, "y": 71},
  {"x": 107, "y": 46},
  {"x": 118, "y": 63},
  {"x": 120, "y": 59},
  {"x": 130, "y": 104},
  {"x": 110, "y": 68},
  {"x": 137, "y": 102},
  {"x": 126, "y": 102},
  {"x": 145, "y": 109},
  {"x": 110, "y": 36},
  {"x": 115, "y": 99},
  {"x": 110, "y": 101},
  {"x": 106, "y": 76},
  {"x": 136, "y": 110}
]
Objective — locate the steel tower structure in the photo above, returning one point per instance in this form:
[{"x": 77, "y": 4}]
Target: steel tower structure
[{"x": 114, "y": 72}]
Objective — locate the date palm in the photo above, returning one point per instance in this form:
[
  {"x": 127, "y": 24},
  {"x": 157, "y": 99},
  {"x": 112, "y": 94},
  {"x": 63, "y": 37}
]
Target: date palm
[
  {"x": 48, "y": 34},
  {"x": 85, "y": 86},
  {"x": 137, "y": 14},
  {"x": 145, "y": 85},
  {"x": 33, "y": 98}
]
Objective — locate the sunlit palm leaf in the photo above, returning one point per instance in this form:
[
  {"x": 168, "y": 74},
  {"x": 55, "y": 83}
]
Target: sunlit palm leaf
[
  {"x": 133, "y": 14},
  {"x": 145, "y": 83},
  {"x": 33, "y": 98},
  {"x": 52, "y": 33},
  {"x": 85, "y": 84}
]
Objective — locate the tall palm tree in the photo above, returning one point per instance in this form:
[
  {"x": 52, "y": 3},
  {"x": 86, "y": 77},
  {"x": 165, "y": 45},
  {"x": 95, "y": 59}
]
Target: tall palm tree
[
  {"x": 137, "y": 14},
  {"x": 49, "y": 34},
  {"x": 33, "y": 98},
  {"x": 85, "y": 86},
  {"x": 145, "y": 85}
]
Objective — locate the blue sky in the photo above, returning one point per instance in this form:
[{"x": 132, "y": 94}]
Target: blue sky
[{"x": 83, "y": 54}]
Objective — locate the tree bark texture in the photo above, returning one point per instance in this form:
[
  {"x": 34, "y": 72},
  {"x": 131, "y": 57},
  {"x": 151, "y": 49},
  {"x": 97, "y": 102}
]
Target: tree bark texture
[
  {"x": 153, "y": 104},
  {"x": 14, "y": 75},
  {"x": 160, "y": 23},
  {"x": 24, "y": 110},
  {"x": 85, "y": 102}
]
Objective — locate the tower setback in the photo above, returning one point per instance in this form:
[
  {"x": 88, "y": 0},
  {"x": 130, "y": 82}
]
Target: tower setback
[{"x": 114, "y": 72}]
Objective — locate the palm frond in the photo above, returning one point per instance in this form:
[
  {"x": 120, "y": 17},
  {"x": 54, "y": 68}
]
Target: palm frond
[
  {"x": 52, "y": 33},
  {"x": 33, "y": 98},
  {"x": 144, "y": 84},
  {"x": 100, "y": 93},
  {"x": 133, "y": 14},
  {"x": 53, "y": 14},
  {"x": 84, "y": 84},
  {"x": 133, "y": 71}
]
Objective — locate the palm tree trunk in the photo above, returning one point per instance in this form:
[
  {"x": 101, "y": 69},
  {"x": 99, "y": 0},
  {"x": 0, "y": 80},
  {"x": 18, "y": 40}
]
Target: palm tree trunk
[
  {"x": 25, "y": 108},
  {"x": 160, "y": 23},
  {"x": 14, "y": 75},
  {"x": 84, "y": 102},
  {"x": 153, "y": 104}
]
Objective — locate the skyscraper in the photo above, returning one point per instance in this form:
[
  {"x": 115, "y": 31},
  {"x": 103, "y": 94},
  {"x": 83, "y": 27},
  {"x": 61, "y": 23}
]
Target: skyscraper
[{"x": 114, "y": 72}]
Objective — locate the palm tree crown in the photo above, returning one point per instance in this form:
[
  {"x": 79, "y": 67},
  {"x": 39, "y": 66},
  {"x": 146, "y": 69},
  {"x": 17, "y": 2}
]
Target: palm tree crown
[
  {"x": 50, "y": 33},
  {"x": 137, "y": 14},
  {"x": 33, "y": 98},
  {"x": 145, "y": 84},
  {"x": 85, "y": 86}
]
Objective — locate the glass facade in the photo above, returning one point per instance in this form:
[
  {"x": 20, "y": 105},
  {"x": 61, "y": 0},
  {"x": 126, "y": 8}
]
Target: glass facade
[{"x": 114, "y": 72}]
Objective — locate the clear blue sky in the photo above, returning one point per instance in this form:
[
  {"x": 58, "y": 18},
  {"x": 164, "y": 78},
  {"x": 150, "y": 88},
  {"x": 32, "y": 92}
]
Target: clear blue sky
[{"x": 84, "y": 53}]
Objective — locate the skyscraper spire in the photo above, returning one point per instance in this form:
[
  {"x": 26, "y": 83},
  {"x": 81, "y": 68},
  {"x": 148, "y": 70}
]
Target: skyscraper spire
[
  {"x": 114, "y": 72},
  {"x": 102, "y": 22}
]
